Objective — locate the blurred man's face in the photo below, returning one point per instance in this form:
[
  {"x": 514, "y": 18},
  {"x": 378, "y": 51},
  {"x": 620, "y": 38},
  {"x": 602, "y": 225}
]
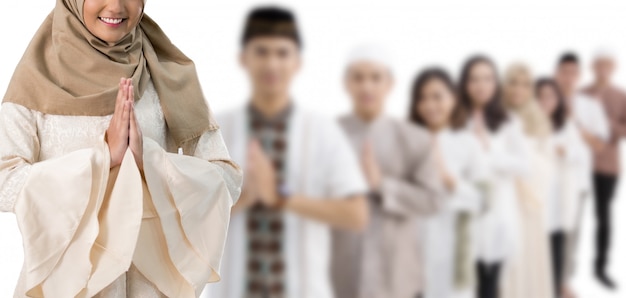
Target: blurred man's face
[
  {"x": 368, "y": 84},
  {"x": 603, "y": 69},
  {"x": 271, "y": 63},
  {"x": 567, "y": 75}
]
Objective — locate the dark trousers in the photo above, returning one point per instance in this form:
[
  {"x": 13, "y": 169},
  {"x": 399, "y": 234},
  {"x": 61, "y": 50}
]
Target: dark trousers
[
  {"x": 558, "y": 242},
  {"x": 604, "y": 187},
  {"x": 488, "y": 280}
]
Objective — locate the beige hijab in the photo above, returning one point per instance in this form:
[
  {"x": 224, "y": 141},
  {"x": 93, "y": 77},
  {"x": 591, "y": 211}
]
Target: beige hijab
[
  {"x": 66, "y": 70},
  {"x": 536, "y": 123}
]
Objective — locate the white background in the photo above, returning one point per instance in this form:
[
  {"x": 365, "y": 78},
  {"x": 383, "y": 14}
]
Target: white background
[{"x": 416, "y": 33}]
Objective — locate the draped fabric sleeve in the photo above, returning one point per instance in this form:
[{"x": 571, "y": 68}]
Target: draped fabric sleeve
[
  {"x": 418, "y": 192},
  {"x": 191, "y": 198},
  {"x": 510, "y": 159},
  {"x": 473, "y": 177},
  {"x": 78, "y": 230},
  {"x": 19, "y": 149}
]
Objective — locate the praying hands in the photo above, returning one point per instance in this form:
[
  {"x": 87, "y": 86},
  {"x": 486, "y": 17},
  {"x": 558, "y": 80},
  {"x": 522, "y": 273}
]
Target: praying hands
[{"x": 124, "y": 131}]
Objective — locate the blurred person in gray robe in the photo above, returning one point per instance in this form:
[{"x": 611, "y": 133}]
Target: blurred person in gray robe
[{"x": 397, "y": 161}]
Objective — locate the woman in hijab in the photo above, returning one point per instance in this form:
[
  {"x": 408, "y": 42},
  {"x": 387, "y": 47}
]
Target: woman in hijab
[
  {"x": 528, "y": 273},
  {"x": 90, "y": 125}
]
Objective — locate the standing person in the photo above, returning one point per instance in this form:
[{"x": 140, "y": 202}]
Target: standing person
[
  {"x": 396, "y": 158},
  {"x": 502, "y": 139},
  {"x": 529, "y": 273},
  {"x": 606, "y": 159},
  {"x": 571, "y": 183},
  {"x": 592, "y": 122},
  {"x": 90, "y": 125},
  {"x": 450, "y": 252},
  {"x": 301, "y": 176}
]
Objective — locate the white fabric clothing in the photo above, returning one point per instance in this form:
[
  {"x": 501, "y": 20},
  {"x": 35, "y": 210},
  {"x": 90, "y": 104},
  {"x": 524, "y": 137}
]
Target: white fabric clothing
[
  {"x": 111, "y": 211},
  {"x": 507, "y": 161},
  {"x": 464, "y": 160},
  {"x": 528, "y": 272},
  {"x": 571, "y": 183},
  {"x": 320, "y": 164},
  {"x": 590, "y": 115}
]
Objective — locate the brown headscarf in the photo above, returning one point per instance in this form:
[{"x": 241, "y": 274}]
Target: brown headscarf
[{"x": 66, "y": 70}]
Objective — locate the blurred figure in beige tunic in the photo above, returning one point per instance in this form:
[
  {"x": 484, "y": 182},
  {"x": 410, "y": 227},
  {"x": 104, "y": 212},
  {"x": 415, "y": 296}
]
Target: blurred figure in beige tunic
[
  {"x": 528, "y": 273},
  {"x": 396, "y": 158}
]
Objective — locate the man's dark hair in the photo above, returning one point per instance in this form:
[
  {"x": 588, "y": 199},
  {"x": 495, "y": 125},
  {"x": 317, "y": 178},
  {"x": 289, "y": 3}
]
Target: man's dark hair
[
  {"x": 271, "y": 21},
  {"x": 568, "y": 57}
]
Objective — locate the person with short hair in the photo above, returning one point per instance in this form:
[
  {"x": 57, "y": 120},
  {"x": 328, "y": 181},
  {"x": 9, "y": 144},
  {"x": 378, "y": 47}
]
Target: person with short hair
[
  {"x": 302, "y": 178},
  {"x": 590, "y": 118},
  {"x": 606, "y": 158},
  {"x": 397, "y": 161}
]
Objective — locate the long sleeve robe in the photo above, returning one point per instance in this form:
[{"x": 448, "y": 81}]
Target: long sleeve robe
[
  {"x": 89, "y": 230},
  {"x": 463, "y": 159},
  {"x": 320, "y": 165},
  {"x": 385, "y": 261},
  {"x": 506, "y": 160}
]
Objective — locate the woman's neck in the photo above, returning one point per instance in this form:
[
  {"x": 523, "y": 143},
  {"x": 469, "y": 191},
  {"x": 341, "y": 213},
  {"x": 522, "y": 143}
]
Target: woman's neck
[{"x": 437, "y": 128}]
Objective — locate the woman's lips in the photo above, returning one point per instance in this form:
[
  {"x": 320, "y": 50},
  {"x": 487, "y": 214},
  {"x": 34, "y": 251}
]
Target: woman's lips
[{"x": 112, "y": 22}]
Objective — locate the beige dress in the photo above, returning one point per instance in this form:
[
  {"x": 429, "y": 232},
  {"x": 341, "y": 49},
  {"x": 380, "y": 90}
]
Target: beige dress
[
  {"x": 89, "y": 230},
  {"x": 528, "y": 273}
]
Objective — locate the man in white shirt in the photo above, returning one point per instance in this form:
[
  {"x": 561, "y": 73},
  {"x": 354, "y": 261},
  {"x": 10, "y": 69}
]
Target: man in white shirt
[
  {"x": 593, "y": 124},
  {"x": 301, "y": 176}
]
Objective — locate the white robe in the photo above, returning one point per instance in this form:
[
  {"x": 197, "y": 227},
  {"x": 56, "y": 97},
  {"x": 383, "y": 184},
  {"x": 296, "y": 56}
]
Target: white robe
[
  {"x": 589, "y": 114},
  {"x": 464, "y": 160},
  {"x": 507, "y": 161},
  {"x": 320, "y": 164},
  {"x": 571, "y": 183}
]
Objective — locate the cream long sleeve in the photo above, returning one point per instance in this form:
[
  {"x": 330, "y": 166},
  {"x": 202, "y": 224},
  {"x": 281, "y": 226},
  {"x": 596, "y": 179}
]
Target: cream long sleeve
[{"x": 86, "y": 224}]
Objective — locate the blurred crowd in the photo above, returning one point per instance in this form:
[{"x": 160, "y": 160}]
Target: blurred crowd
[{"x": 478, "y": 192}]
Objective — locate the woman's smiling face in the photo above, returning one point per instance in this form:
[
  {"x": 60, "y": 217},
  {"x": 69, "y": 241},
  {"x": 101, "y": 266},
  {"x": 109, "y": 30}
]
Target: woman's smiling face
[{"x": 112, "y": 20}]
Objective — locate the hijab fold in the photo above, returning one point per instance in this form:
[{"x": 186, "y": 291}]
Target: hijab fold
[
  {"x": 66, "y": 70},
  {"x": 535, "y": 123}
]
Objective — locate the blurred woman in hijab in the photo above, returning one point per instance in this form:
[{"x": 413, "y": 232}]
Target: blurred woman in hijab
[{"x": 528, "y": 273}]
